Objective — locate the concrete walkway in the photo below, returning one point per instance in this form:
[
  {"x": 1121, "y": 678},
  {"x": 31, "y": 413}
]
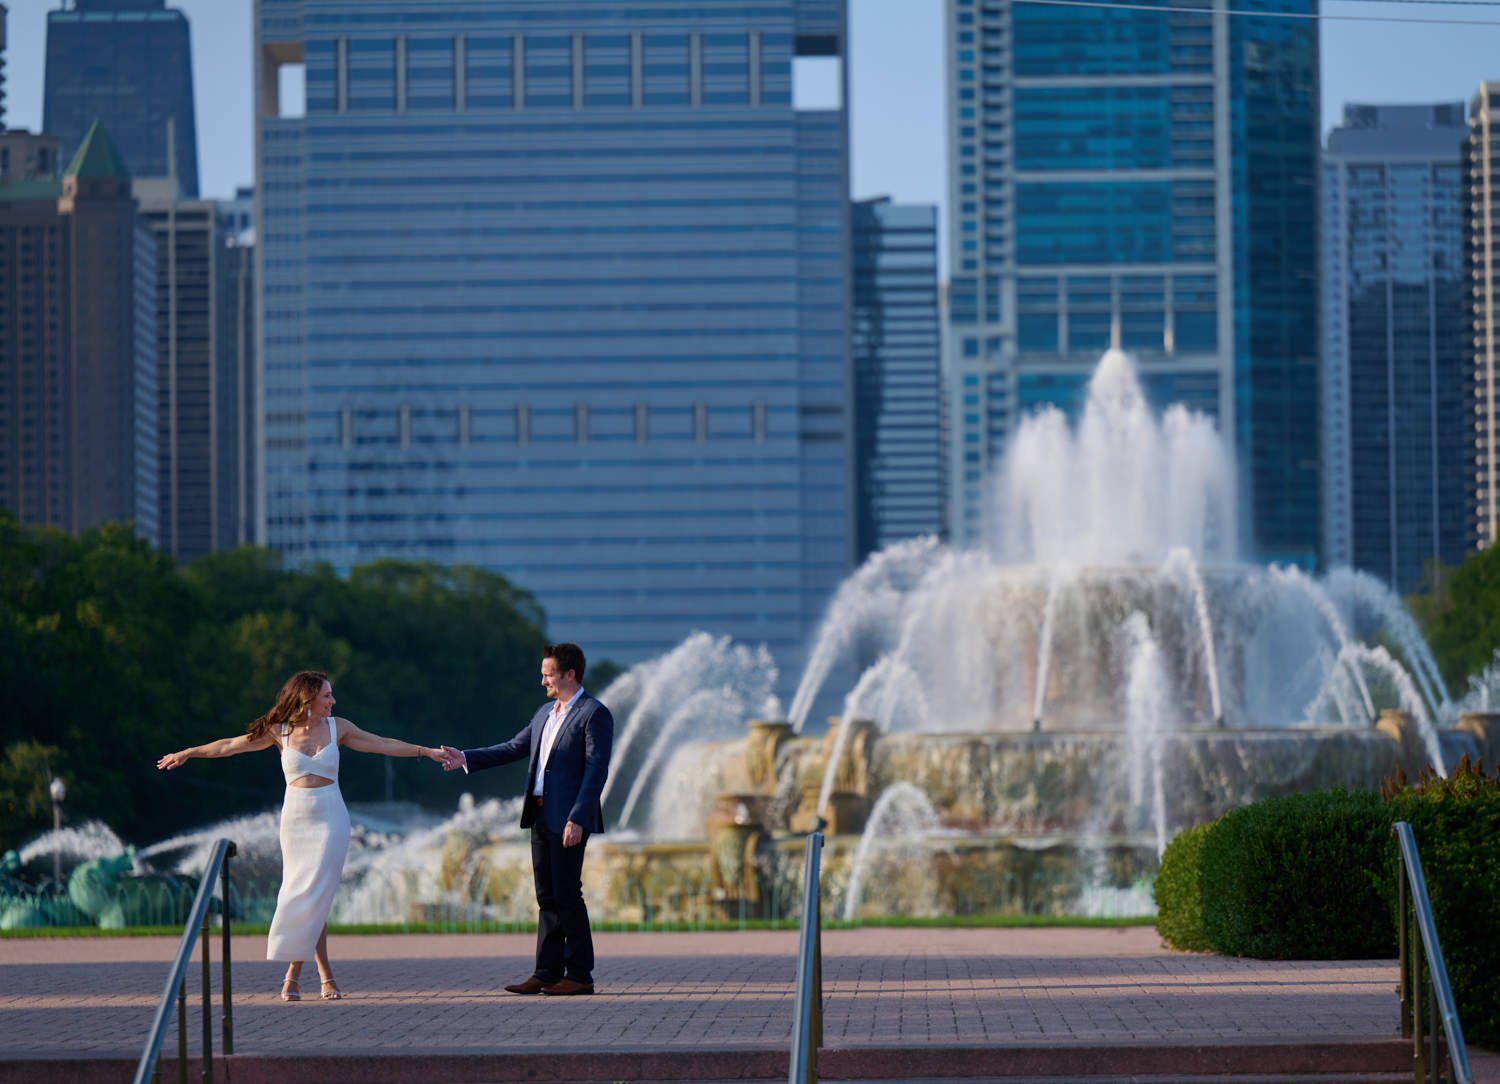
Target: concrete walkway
[{"x": 730, "y": 993}]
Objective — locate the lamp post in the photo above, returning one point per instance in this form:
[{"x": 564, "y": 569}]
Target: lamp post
[{"x": 58, "y": 792}]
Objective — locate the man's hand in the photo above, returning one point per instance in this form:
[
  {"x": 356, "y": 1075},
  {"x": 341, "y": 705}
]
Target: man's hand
[
  {"x": 172, "y": 760},
  {"x": 572, "y": 834},
  {"x": 452, "y": 758}
]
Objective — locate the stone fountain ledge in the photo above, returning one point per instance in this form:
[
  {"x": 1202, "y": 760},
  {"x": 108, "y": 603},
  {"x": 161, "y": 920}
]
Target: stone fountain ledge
[{"x": 717, "y": 1006}]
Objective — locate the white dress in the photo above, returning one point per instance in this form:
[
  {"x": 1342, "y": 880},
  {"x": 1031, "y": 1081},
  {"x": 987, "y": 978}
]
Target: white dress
[{"x": 314, "y": 841}]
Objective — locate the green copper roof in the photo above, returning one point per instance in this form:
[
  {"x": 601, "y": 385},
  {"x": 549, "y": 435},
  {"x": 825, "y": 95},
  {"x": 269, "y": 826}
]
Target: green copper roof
[
  {"x": 29, "y": 190},
  {"x": 97, "y": 158}
]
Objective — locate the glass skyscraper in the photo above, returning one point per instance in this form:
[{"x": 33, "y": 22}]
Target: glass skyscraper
[
  {"x": 561, "y": 289},
  {"x": 1144, "y": 179},
  {"x": 897, "y": 358},
  {"x": 1396, "y": 464},
  {"x": 128, "y": 64}
]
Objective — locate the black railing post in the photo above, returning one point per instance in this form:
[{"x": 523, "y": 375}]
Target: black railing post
[
  {"x": 1436, "y": 1068},
  {"x": 817, "y": 1016},
  {"x": 182, "y": 1030},
  {"x": 1404, "y": 963},
  {"x": 207, "y": 1054},
  {"x": 1419, "y": 1063},
  {"x": 224, "y": 968}
]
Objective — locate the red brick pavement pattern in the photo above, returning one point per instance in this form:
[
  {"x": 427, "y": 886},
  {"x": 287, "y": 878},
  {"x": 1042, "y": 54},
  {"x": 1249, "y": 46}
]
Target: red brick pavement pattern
[{"x": 442, "y": 994}]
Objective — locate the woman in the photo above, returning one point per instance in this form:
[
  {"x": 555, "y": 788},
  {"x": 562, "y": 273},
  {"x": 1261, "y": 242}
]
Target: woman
[{"x": 314, "y": 822}]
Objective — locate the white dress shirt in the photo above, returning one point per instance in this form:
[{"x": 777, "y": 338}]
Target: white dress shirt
[{"x": 549, "y": 736}]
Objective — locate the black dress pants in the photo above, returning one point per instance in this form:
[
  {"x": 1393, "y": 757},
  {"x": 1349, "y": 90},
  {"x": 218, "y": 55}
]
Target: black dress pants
[{"x": 564, "y": 943}]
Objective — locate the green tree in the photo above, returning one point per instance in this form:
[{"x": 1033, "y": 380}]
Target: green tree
[
  {"x": 26, "y": 772},
  {"x": 1460, "y": 615},
  {"x": 106, "y": 656},
  {"x": 112, "y": 655}
]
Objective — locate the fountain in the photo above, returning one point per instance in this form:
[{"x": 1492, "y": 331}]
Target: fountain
[{"x": 1031, "y": 722}]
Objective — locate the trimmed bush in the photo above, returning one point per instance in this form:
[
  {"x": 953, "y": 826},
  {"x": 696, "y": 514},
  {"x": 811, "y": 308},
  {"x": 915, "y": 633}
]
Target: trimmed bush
[
  {"x": 1313, "y": 876},
  {"x": 1457, "y": 825},
  {"x": 1300, "y": 877},
  {"x": 1178, "y": 891}
]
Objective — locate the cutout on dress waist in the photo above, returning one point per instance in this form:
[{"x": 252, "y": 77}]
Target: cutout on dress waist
[{"x": 314, "y": 781}]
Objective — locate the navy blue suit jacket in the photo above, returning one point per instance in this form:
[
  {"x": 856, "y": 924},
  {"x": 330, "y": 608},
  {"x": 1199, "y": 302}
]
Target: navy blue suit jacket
[{"x": 576, "y": 768}]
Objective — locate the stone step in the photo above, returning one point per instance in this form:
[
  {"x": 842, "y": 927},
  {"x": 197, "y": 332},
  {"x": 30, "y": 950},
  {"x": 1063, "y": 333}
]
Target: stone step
[
  {"x": 1258, "y": 1078},
  {"x": 1237, "y": 1078},
  {"x": 1113, "y": 1060},
  {"x": 1098, "y": 1063}
]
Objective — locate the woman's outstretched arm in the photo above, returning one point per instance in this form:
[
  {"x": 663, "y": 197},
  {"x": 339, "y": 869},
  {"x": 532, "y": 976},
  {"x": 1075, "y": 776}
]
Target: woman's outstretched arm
[
  {"x": 224, "y": 747},
  {"x": 365, "y": 742}
]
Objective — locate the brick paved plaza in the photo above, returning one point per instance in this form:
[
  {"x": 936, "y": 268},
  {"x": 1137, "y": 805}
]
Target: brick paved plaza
[{"x": 729, "y": 994}]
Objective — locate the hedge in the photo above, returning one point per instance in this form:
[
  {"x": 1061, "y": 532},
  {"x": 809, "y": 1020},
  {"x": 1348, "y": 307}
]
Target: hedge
[
  {"x": 1313, "y": 876},
  {"x": 1178, "y": 891},
  {"x": 1456, "y": 822},
  {"x": 1299, "y": 878}
]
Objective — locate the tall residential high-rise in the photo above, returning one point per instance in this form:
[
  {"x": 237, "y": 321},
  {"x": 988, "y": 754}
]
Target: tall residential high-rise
[
  {"x": 1395, "y": 432},
  {"x": 77, "y": 346},
  {"x": 189, "y": 384},
  {"x": 236, "y": 402},
  {"x": 897, "y": 377},
  {"x": 127, "y": 63},
  {"x": 562, "y": 291},
  {"x": 1148, "y": 179},
  {"x": 1481, "y": 205}
]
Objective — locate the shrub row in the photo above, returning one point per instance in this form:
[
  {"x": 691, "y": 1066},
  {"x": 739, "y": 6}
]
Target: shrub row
[
  {"x": 1313, "y": 877},
  {"x": 1457, "y": 825}
]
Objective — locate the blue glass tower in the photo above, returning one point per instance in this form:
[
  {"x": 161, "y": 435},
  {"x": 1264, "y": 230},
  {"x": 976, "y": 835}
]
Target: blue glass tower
[
  {"x": 127, "y": 64},
  {"x": 1143, "y": 179},
  {"x": 561, "y": 290},
  {"x": 1396, "y": 450},
  {"x": 897, "y": 355}
]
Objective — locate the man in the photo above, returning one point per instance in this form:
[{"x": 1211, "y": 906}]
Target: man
[{"x": 567, "y": 744}]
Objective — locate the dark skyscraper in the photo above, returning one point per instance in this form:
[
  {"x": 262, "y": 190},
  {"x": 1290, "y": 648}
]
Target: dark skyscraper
[
  {"x": 235, "y": 375},
  {"x": 897, "y": 354},
  {"x": 128, "y": 64},
  {"x": 77, "y": 347},
  {"x": 187, "y": 259},
  {"x": 1395, "y": 445}
]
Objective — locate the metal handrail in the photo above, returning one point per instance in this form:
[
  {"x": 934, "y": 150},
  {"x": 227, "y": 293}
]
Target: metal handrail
[
  {"x": 1441, "y": 1002},
  {"x": 807, "y": 1023},
  {"x": 197, "y": 923}
]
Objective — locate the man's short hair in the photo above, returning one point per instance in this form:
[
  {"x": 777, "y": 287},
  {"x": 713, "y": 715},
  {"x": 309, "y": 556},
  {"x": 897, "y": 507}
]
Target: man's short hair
[{"x": 568, "y": 656}]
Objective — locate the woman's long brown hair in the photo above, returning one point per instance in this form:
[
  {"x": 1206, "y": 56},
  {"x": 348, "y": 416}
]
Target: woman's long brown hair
[{"x": 300, "y": 690}]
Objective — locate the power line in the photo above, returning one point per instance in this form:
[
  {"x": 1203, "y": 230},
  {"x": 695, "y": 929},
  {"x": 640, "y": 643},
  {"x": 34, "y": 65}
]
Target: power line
[
  {"x": 1306, "y": 16},
  {"x": 1435, "y": 3}
]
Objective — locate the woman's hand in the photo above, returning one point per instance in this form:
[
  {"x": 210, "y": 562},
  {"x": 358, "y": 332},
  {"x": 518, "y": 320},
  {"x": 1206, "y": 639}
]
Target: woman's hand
[{"x": 173, "y": 760}]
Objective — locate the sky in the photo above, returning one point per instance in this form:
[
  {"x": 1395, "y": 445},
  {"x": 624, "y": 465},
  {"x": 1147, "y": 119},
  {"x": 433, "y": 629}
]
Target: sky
[{"x": 896, "y": 77}]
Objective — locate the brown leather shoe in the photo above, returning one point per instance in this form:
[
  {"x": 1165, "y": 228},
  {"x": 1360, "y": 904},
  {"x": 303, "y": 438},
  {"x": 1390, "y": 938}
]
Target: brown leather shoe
[
  {"x": 532, "y": 985},
  {"x": 568, "y": 988}
]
